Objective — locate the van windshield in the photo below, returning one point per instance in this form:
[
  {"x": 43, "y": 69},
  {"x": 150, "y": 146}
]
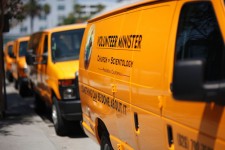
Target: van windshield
[
  {"x": 23, "y": 48},
  {"x": 66, "y": 45}
]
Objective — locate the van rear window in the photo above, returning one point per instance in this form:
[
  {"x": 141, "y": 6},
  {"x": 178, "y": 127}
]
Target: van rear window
[{"x": 66, "y": 45}]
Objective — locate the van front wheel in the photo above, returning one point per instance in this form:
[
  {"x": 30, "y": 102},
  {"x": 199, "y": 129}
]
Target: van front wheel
[
  {"x": 105, "y": 142},
  {"x": 58, "y": 121}
]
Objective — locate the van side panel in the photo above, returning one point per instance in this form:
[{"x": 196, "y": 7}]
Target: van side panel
[
  {"x": 34, "y": 46},
  {"x": 127, "y": 41},
  {"x": 14, "y": 62},
  {"x": 129, "y": 86},
  {"x": 42, "y": 87},
  {"x": 148, "y": 73},
  {"x": 102, "y": 79}
]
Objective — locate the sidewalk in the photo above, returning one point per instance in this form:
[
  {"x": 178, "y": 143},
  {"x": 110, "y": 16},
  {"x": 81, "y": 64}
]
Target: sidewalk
[{"x": 22, "y": 128}]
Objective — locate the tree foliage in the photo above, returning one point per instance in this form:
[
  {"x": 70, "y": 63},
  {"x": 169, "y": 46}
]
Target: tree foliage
[
  {"x": 33, "y": 9},
  {"x": 11, "y": 8},
  {"x": 78, "y": 14}
]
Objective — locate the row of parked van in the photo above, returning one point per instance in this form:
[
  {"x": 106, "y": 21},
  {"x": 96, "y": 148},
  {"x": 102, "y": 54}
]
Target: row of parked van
[
  {"x": 151, "y": 75},
  {"x": 46, "y": 64},
  {"x": 15, "y": 64}
]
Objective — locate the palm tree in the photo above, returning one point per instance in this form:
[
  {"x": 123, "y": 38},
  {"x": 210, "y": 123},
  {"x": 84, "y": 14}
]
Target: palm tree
[
  {"x": 100, "y": 7},
  {"x": 46, "y": 8},
  {"x": 33, "y": 9},
  {"x": 78, "y": 9}
]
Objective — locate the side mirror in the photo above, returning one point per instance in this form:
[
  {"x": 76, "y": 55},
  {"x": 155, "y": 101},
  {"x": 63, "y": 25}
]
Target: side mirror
[
  {"x": 44, "y": 58},
  {"x": 188, "y": 80},
  {"x": 30, "y": 59},
  {"x": 12, "y": 55}
]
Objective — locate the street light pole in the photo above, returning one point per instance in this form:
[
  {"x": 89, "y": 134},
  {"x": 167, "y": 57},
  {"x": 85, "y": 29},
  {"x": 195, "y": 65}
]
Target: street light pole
[
  {"x": 4, "y": 27},
  {"x": 2, "y": 101}
]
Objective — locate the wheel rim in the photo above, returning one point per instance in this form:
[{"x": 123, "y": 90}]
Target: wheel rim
[
  {"x": 107, "y": 147},
  {"x": 54, "y": 114}
]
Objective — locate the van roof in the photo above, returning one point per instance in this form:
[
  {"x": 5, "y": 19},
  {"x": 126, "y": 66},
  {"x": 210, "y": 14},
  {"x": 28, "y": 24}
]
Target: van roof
[
  {"x": 24, "y": 38},
  {"x": 67, "y": 27},
  {"x": 9, "y": 43},
  {"x": 123, "y": 9}
]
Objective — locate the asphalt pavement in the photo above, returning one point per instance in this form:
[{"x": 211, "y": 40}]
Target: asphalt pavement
[{"x": 23, "y": 129}]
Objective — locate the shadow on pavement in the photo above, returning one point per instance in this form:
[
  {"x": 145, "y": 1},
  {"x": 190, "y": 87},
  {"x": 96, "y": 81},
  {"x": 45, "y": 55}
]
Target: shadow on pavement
[
  {"x": 19, "y": 111},
  {"x": 75, "y": 130}
]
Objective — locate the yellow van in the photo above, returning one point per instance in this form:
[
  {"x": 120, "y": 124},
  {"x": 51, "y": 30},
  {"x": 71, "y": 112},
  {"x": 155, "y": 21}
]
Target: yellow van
[
  {"x": 8, "y": 59},
  {"x": 53, "y": 59},
  {"x": 152, "y": 76},
  {"x": 19, "y": 65}
]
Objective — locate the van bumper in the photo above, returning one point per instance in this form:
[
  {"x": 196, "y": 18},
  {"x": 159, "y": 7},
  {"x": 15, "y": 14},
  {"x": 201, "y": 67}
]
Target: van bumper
[
  {"x": 70, "y": 110},
  {"x": 23, "y": 81}
]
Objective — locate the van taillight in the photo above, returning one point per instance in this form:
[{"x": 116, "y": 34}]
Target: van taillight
[{"x": 66, "y": 82}]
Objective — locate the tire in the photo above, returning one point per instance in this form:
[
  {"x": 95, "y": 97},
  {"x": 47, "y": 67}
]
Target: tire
[
  {"x": 59, "y": 123},
  {"x": 16, "y": 84},
  {"x": 9, "y": 77},
  {"x": 105, "y": 142},
  {"x": 22, "y": 90}
]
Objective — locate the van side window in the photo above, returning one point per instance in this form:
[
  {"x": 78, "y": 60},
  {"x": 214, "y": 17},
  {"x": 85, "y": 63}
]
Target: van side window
[
  {"x": 46, "y": 44},
  {"x": 33, "y": 43},
  {"x": 10, "y": 50},
  {"x": 199, "y": 37}
]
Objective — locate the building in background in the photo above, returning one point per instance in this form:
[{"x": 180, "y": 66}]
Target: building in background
[{"x": 59, "y": 10}]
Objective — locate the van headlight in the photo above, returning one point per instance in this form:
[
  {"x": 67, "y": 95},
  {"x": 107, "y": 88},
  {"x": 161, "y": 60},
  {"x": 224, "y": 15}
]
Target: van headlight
[
  {"x": 67, "y": 89},
  {"x": 68, "y": 93},
  {"x": 23, "y": 72}
]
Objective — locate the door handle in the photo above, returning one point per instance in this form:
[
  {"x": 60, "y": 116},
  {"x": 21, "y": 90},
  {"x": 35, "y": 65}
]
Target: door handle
[
  {"x": 136, "y": 123},
  {"x": 170, "y": 137},
  {"x": 114, "y": 88}
]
